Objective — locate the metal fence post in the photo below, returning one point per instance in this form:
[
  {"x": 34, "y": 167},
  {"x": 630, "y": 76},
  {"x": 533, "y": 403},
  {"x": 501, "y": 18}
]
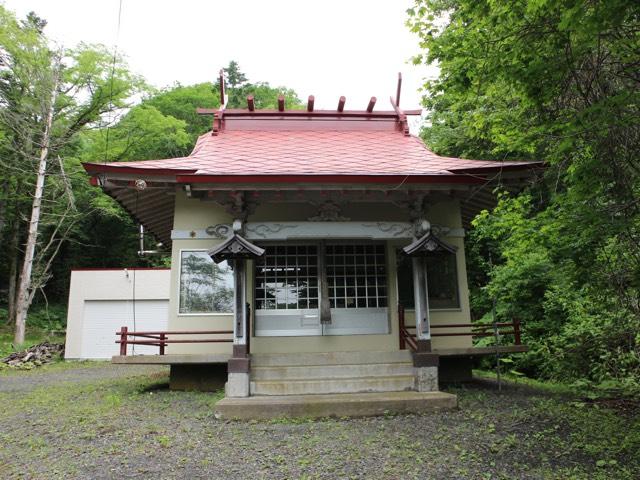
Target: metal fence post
[{"x": 123, "y": 341}]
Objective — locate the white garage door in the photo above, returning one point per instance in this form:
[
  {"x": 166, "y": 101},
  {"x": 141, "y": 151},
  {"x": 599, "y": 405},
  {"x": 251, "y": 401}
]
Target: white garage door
[{"x": 102, "y": 318}]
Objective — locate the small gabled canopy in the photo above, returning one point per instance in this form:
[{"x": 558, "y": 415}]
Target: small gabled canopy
[
  {"x": 236, "y": 247},
  {"x": 428, "y": 244}
]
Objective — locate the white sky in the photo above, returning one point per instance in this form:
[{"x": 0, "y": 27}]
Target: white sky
[{"x": 326, "y": 48}]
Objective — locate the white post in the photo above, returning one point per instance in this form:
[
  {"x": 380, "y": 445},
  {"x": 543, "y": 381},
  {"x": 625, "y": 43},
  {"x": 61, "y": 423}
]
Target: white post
[
  {"x": 421, "y": 298},
  {"x": 238, "y": 366},
  {"x": 425, "y": 362},
  {"x": 240, "y": 303}
]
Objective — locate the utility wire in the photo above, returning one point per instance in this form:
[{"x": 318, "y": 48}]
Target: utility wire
[{"x": 113, "y": 69}]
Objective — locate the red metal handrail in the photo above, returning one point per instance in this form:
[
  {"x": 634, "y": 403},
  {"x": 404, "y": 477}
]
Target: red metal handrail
[
  {"x": 408, "y": 338},
  {"x": 161, "y": 340}
]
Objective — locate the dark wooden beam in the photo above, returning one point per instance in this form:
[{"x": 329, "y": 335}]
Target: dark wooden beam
[
  {"x": 372, "y": 103},
  {"x": 222, "y": 92},
  {"x": 281, "y": 103},
  {"x": 206, "y": 111},
  {"x": 250, "y": 103},
  {"x": 243, "y": 112},
  {"x": 398, "y": 89},
  {"x": 310, "y": 103},
  {"x": 341, "y": 103}
]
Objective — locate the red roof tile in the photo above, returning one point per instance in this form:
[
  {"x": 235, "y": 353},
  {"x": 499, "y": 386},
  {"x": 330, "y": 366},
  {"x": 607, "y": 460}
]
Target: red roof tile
[{"x": 306, "y": 150}]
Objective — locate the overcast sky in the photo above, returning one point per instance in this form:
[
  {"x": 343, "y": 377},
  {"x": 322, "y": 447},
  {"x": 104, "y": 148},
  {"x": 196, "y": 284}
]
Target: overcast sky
[{"x": 326, "y": 48}]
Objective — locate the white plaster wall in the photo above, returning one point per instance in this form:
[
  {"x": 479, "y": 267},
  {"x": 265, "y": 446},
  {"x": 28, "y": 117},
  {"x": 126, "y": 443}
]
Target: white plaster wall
[
  {"x": 194, "y": 214},
  {"x": 113, "y": 284}
]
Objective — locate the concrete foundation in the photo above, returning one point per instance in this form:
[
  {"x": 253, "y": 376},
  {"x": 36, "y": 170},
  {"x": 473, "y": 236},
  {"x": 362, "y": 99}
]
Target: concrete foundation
[
  {"x": 333, "y": 405},
  {"x": 203, "y": 378},
  {"x": 426, "y": 379},
  {"x": 455, "y": 369},
  {"x": 237, "y": 385}
]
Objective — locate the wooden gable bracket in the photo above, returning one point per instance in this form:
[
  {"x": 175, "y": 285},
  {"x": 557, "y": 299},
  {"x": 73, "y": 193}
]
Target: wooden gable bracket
[
  {"x": 428, "y": 244},
  {"x": 235, "y": 247}
]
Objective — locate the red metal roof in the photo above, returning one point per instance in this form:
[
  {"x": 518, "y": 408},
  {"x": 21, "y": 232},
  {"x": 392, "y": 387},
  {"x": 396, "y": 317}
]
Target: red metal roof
[{"x": 304, "y": 147}]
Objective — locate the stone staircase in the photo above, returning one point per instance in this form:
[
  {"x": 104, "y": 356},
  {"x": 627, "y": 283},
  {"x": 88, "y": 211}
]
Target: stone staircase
[{"x": 331, "y": 373}]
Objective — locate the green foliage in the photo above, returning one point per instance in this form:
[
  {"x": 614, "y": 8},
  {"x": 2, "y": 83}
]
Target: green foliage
[
  {"x": 265, "y": 96},
  {"x": 555, "y": 81},
  {"x": 180, "y": 102}
]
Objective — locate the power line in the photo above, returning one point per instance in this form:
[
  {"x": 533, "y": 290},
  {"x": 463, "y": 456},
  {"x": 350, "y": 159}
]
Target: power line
[{"x": 113, "y": 69}]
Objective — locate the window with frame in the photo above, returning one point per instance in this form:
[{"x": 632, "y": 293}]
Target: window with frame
[
  {"x": 205, "y": 287},
  {"x": 356, "y": 276},
  {"x": 442, "y": 281},
  {"x": 287, "y": 277}
]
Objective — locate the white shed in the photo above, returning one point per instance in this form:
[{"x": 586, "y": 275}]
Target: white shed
[{"x": 103, "y": 300}]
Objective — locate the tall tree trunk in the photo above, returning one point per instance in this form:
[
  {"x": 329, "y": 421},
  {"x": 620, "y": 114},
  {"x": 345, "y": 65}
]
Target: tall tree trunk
[
  {"x": 24, "y": 290},
  {"x": 14, "y": 254},
  {"x": 4, "y": 199}
]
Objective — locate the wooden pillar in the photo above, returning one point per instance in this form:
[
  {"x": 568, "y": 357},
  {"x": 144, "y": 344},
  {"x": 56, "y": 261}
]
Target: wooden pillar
[
  {"x": 239, "y": 361},
  {"x": 421, "y": 298},
  {"x": 240, "y": 303}
]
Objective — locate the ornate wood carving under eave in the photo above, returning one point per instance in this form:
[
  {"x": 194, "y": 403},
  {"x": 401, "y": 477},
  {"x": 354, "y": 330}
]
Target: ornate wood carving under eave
[
  {"x": 265, "y": 230},
  {"x": 316, "y": 230},
  {"x": 328, "y": 211},
  {"x": 394, "y": 230},
  {"x": 236, "y": 204}
]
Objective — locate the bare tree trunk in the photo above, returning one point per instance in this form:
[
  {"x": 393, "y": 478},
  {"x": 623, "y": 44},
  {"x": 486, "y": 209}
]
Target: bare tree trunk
[
  {"x": 13, "y": 272},
  {"x": 3, "y": 207},
  {"x": 24, "y": 290}
]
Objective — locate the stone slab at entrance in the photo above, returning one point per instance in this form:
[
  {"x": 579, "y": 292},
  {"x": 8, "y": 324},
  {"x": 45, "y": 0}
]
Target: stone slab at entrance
[{"x": 333, "y": 405}]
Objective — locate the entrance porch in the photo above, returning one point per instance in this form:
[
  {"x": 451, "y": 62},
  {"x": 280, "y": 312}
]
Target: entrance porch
[{"x": 327, "y": 308}]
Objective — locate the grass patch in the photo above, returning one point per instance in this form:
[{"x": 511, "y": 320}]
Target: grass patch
[
  {"x": 135, "y": 426},
  {"x": 33, "y": 337},
  {"x": 43, "y": 324}
]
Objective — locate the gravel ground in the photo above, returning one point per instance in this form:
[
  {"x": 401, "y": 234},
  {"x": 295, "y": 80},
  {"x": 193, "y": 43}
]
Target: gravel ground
[
  {"x": 84, "y": 374},
  {"x": 122, "y": 422}
]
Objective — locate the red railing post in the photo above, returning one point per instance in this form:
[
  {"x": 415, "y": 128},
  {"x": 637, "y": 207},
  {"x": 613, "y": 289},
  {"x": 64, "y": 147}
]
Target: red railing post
[
  {"x": 163, "y": 337},
  {"x": 401, "y": 327},
  {"x": 123, "y": 341},
  {"x": 516, "y": 331}
]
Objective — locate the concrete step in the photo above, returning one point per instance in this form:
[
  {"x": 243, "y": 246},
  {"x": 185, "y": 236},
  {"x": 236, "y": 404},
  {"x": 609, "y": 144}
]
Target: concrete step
[
  {"x": 341, "y": 405},
  {"x": 316, "y": 386},
  {"x": 328, "y": 358},
  {"x": 311, "y": 372}
]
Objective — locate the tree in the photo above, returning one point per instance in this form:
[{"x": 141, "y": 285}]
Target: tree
[
  {"x": 46, "y": 99},
  {"x": 555, "y": 81},
  {"x": 265, "y": 96},
  {"x": 235, "y": 78}
]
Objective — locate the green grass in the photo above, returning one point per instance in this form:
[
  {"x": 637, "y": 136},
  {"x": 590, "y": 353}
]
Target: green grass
[
  {"x": 33, "y": 336},
  {"x": 43, "y": 324},
  {"x": 136, "y": 424}
]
